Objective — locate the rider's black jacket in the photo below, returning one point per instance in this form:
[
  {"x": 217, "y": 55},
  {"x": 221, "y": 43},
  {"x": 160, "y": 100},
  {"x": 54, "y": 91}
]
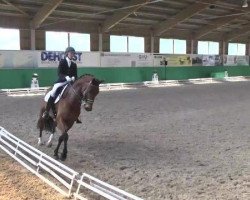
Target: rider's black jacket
[{"x": 64, "y": 70}]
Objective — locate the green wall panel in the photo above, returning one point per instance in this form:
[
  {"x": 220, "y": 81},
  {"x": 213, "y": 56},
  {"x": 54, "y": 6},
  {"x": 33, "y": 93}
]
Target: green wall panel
[{"x": 20, "y": 78}]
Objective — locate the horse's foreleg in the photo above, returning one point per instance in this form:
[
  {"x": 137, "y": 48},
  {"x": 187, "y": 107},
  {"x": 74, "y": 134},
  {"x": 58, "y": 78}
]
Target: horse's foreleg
[
  {"x": 58, "y": 146},
  {"x": 40, "y": 126},
  {"x": 40, "y": 141},
  {"x": 49, "y": 143},
  {"x": 65, "y": 150}
]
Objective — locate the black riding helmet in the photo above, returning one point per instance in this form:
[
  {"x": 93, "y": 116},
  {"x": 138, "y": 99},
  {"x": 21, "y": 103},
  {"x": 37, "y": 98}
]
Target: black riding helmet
[{"x": 70, "y": 49}]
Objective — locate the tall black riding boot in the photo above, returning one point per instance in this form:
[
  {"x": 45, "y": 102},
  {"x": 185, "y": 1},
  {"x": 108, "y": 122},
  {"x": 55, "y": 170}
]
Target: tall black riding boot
[
  {"x": 53, "y": 107},
  {"x": 48, "y": 106}
]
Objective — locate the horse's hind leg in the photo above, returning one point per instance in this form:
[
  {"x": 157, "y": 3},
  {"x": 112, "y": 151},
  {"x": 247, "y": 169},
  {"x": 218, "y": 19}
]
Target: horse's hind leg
[
  {"x": 65, "y": 150},
  {"x": 49, "y": 143},
  {"x": 40, "y": 141},
  {"x": 60, "y": 140},
  {"x": 40, "y": 126}
]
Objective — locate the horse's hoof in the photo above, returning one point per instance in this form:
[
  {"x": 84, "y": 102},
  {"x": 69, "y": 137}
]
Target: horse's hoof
[
  {"x": 56, "y": 157},
  {"x": 63, "y": 157},
  {"x": 40, "y": 142},
  {"x": 49, "y": 144}
]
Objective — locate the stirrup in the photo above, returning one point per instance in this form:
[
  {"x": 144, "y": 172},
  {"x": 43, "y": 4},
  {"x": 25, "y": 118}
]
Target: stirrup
[{"x": 54, "y": 115}]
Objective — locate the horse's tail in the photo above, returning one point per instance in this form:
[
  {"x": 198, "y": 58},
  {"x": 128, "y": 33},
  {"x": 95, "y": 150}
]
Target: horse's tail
[
  {"x": 49, "y": 125},
  {"x": 46, "y": 124},
  {"x": 40, "y": 123}
]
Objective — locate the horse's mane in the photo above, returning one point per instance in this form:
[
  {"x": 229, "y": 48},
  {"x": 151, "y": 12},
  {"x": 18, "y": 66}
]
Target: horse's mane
[
  {"x": 85, "y": 75},
  {"x": 94, "y": 81}
]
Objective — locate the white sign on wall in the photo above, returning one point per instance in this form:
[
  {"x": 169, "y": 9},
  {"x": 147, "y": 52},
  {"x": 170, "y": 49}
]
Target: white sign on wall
[
  {"x": 235, "y": 60},
  {"x": 90, "y": 59},
  {"x": 52, "y": 58},
  {"x": 126, "y": 59},
  {"x": 33, "y": 59},
  {"x": 17, "y": 59},
  {"x": 211, "y": 60},
  {"x": 172, "y": 60},
  {"x": 82, "y": 59}
]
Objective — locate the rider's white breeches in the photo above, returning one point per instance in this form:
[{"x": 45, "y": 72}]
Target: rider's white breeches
[{"x": 55, "y": 87}]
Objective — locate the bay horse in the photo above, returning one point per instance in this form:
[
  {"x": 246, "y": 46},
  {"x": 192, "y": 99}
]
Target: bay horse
[{"x": 84, "y": 89}]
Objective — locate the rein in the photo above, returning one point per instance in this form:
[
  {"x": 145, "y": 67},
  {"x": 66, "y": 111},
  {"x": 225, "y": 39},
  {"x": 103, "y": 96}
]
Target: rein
[{"x": 83, "y": 99}]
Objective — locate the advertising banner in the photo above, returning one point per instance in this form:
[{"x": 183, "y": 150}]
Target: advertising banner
[
  {"x": 211, "y": 60},
  {"x": 160, "y": 60},
  {"x": 126, "y": 59},
  {"x": 52, "y": 58},
  {"x": 179, "y": 60},
  {"x": 172, "y": 60},
  {"x": 197, "y": 60},
  {"x": 230, "y": 60},
  {"x": 115, "y": 59},
  {"x": 144, "y": 59},
  {"x": 17, "y": 59},
  {"x": 236, "y": 60},
  {"x": 242, "y": 60},
  {"x": 90, "y": 59},
  {"x": 33, "y": 59}
]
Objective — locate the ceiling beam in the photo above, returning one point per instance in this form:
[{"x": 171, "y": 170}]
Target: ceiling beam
[
  {"x": 16, "y": 7},
  {"x": 122, "y": 14},
  {"x": 213, "y": 25},
  {"x": 19, "y": 22},
  {"x": 236, "y": 34},
  {"x": 44, "y": 12},
  {"x": 184, "y": 14}
]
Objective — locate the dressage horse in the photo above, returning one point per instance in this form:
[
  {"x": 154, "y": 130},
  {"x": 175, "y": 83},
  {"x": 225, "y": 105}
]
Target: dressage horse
[{"x": 84, "y": 89}]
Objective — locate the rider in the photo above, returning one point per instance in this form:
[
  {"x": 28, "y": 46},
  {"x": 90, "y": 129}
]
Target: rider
[{"x": 67, "y": 72}]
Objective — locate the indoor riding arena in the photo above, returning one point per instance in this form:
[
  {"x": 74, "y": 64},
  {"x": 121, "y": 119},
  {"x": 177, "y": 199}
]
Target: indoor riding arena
[{"x": 171, "y": 120}]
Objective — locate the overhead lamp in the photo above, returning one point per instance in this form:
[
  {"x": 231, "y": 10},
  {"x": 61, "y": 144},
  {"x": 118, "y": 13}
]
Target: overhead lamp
[{"x": 244, "y": 4}]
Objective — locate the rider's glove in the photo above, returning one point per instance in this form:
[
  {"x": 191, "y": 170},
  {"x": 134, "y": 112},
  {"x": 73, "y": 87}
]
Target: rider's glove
[
  {"x": 68, "y": 78},
  {"x": 73, "y": 78}
]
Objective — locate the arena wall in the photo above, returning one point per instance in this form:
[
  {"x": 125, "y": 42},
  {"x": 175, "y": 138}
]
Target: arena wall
[{"x": 21, "y": 77}]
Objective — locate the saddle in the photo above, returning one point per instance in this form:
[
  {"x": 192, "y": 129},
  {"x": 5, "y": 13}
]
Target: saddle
[{"x": 59, "y": 94}]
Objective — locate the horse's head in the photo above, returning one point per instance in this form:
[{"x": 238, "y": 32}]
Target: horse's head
[{"x": 89, "y": 90}]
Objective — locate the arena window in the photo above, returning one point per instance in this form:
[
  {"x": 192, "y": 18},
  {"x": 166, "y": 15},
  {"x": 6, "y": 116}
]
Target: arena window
[
  {"x": 58, "y": 41},
  {"x": 126, "y": 44},
  {"x": 118, "y": 43},
  {"x": 80, "y": 41},
  {"x": 208, "y": 47},
  {"x": 136, "y": 44},
  {"x": 173, "y": 46},
  {"x": 9, "y": 39},
  {"x": 236, "y": 49}
]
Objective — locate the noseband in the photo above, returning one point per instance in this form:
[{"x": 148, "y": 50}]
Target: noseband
[
  {"x": 84, "y": 94},
  {"x": 83, "y": 98}
]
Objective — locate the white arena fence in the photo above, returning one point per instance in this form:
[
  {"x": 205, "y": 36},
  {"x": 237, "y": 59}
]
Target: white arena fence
[
  {"x": 62, "y": 178},
  {"x": 120, "y": 86}
]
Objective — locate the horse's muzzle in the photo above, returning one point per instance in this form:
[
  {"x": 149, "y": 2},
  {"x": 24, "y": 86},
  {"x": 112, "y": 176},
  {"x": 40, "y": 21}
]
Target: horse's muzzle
[{"x": 88, "y": 107}]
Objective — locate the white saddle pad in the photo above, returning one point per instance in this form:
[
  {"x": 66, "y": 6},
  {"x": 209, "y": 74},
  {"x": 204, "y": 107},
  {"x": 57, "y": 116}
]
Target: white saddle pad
[{"x": 46, "y": 98}]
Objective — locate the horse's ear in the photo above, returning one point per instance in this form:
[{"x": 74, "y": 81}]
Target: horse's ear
[
  {"x": 97, "y": 82},
  {"x": 101, "y": 81}
]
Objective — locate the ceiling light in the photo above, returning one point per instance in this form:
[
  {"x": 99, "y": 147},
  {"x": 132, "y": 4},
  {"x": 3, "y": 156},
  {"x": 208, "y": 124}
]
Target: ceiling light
[{"x": 244, "y": 4}]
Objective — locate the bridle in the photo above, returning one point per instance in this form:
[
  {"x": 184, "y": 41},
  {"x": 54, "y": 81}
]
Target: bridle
[{"x": 84, "y": 94}]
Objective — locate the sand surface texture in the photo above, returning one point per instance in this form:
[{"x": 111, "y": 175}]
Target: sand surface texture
[{"x": 180, "y": 143}]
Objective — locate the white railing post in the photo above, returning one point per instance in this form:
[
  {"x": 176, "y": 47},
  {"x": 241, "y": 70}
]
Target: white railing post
[{"x": 34, "y": 160}]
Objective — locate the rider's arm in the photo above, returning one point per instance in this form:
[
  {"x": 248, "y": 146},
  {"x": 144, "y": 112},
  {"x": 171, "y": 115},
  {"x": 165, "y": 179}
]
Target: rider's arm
[
  {"x": 75, "y": 72},
  {"x": 61, "y": 70}
]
